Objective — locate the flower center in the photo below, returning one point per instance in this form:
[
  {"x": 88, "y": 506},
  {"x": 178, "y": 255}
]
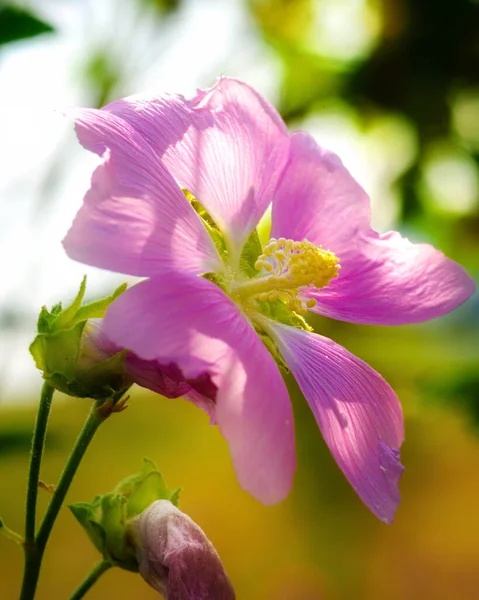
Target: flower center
[{"x": 285, "y": 266}]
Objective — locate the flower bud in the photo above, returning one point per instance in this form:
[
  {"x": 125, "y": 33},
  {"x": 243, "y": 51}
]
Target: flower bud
[
  {"x": 175, "y": 557},
  {"x": 73, "y": 354}
]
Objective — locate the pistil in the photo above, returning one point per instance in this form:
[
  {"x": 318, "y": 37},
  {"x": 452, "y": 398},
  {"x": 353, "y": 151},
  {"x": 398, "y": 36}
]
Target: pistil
[{"x": 286, "y": 266}]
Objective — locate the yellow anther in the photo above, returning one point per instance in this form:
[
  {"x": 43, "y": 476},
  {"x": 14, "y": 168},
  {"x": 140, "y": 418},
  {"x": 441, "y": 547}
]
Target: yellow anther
[
  {"x": 290, "y": 265},
  {"x": 267, "y": 266}
]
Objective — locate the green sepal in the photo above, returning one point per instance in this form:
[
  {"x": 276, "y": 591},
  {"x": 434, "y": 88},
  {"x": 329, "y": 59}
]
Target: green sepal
[
  {"x": 57, "y": 350},
  {"x": 58, "y": 319},
  {"x": 144, "y": 488},
  {"x": 103, "y": 381},
  {"x": 105, "y": 519},
  {"x": 249, "y": 255},
  {"x": 66, "y": 318},
  {"x": 278, "y": 311},
  {"x": 273, "y": 350},
  {"x": 209, "y": 224},
  {"x": 97, "y": 309}
]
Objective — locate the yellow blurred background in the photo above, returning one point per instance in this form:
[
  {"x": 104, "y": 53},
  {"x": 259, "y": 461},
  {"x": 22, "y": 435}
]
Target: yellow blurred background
[{"x": 393, "y": 87}]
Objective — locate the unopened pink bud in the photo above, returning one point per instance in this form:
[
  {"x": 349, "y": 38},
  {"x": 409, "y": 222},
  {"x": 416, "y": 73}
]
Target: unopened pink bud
[{"x": 175, "y": 557}]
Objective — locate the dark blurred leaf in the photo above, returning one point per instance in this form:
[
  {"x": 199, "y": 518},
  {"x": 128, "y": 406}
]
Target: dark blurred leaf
[
  {"x": 424, "y": 54},
  {"x": 15, "y": 440},
  {"x": 461, "y": 391},
  {"x": 18, "y": 24}
]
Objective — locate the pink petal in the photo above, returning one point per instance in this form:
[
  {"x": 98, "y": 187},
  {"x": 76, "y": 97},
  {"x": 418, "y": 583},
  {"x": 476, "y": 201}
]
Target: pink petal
[
  {"x": 358, "y": 414},
  {"x": 384, "y": 279},
  {"x": 168, "y": 381},
  {"x": 175, "y": 557},
  {"x": 134, "y": 218},
  {"x": 190, "y": 322},
  {"x": 164, "y": 379},
  {"x": 227, "y": 146}
]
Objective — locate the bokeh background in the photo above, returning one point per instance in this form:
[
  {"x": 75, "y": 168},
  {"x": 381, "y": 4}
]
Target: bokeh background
[{"x": 390, "y": 85}]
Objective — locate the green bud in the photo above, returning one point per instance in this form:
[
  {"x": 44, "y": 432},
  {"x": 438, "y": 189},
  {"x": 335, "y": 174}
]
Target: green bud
[
  {"x": 65, "y": 350},
  {"x": 105, "y": 519}
]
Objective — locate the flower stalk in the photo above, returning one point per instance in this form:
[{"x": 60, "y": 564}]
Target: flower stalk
[
  {"x": 35, "y": 549},
  {"x": 38, "y": 445},
  {"x": 93, "y": 576}
]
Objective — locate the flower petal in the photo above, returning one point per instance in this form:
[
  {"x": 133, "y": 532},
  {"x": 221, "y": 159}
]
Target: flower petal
[
  {"x": 384, "y": 279},
  {"x": 227, "y": 146},
  {"x": 175, "y": 557},
  {"x": 190, "y": 322},
  {"x": 357, "y": 411},
  {"x": 168, "y": 381},
  {"x": 134, "y": 219}
]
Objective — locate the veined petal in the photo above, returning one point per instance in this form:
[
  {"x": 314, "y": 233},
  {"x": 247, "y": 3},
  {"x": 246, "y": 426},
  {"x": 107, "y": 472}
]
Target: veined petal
[
  {"x": 384, "y": 279},
  {"x": 190, "y": 322},
  {"x": 134, "y": 219},
  {"x": 227, "y": 146},
  {"x": 164, "y": 379},
  {"x": 357, "y": 411},
  {"x": 168, "y": 381}
]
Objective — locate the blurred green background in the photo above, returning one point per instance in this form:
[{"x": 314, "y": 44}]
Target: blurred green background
[{"x": 393, "y": 87}]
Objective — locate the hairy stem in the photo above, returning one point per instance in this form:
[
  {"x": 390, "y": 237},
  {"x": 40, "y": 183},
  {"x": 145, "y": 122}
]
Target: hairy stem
[
  {"x": 38, "y": 444},
  {"x": 34, "y": 550}
]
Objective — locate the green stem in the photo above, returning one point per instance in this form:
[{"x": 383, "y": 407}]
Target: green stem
[
  {"x": 38, "y": 444},
  {"x": 92, "y": 577},
  {"x": 34, "y": 551}
]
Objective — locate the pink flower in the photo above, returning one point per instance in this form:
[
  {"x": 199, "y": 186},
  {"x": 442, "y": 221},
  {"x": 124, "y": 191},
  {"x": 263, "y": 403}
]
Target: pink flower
[
  {"x": 175, "y": 557},
  {"x": 207, "y": 314}
]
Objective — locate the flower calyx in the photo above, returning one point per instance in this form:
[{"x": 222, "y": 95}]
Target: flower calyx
[
  {"x": 106, "y": 519},
  {"x": 66, "y": 350}
]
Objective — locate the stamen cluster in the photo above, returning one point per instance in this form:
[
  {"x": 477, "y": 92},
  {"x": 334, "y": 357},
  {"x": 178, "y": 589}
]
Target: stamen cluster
[{"x": 291, "y": 265}]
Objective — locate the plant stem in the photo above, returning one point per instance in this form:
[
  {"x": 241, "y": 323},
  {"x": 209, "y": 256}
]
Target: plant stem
[
  {"x": 34, "y": 551},
  {"x": 92, "y": 577},
  {"x": 38, "y": 444}
]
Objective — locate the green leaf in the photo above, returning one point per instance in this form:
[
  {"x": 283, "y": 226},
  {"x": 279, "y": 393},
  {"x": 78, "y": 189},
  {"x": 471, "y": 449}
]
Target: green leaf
[{"x": 17, "y": 24}]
